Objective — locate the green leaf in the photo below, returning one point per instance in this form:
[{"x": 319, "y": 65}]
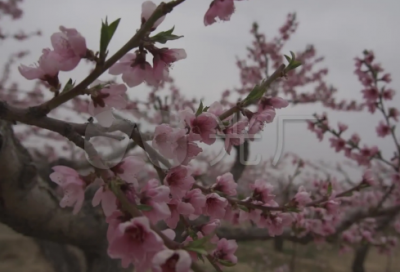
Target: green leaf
[
  {"x": 292, "y": 209},
  {"x": 200, "y": 109},
  {"x": 199, "y": 243},
  {"x": 294, "y": 64},
  {"x": 68, "y": 86},
  {"x": 288, "y": 58},
  {"x": 200, "y": 257},
  {"x": 348, "y": 194},
  {"x": 201, "y": 246},
  {"x": 255, "y": 94},
  {"x": 329, "y": 190},
  {"x": 200, "y": 251},
  {"x": 145, "y": 208},
  {"x": 241, "y": 196},
  {"x": 226, "y": 263},
  {"x": 165, "y": 36},
  {"x": 107, "y": 32},
  {"x": 192, "y": 234},
  {"x": 243, "y": 208}
]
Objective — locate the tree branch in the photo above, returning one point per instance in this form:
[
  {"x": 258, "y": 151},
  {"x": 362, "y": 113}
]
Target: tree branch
[
  {"x": 161, "y": 10},
  {"x": 242, "y": 155},
  {"x": 29, "y": 205}
]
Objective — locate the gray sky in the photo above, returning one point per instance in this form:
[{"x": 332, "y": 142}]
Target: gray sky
[{"x": 340, "y": 30}]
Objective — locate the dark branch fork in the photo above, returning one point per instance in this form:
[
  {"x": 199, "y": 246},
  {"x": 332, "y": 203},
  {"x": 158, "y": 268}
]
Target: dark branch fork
[{"x": 29, "y": 204}]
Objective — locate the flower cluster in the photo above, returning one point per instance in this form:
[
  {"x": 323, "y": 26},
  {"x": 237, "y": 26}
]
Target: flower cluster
[
  {"x": 135, "y": 199},
  {"x": 180, "y": 145},
  {"x": 134, "y": 67},
  {"x": 69, "y": 47}
]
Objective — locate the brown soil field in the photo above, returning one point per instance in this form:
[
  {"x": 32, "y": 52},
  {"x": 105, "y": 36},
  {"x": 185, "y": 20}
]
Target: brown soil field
[{"x": 19, "y": 253}]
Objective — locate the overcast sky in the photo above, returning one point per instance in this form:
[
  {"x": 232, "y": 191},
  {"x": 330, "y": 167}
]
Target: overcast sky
[{"x": 340, "y": 30}]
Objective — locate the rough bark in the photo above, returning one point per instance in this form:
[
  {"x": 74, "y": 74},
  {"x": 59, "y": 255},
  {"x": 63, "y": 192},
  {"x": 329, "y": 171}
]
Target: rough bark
[
  {"x": 60, "y": 256},
  {"x": 278, "y": 243},
  {"x": 361, "y": 252},
  {"x": 29, "y": 205},
  {"x": 359, "y": 258},
  {"x": 242, "y": 155}
]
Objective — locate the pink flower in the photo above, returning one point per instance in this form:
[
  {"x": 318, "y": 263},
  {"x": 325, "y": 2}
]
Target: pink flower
[
  {"x": 262, "y": 191},
  {"x": 163, "y": 59},
  {"x": 180, "y": 180},
  {"x": 387, "y": 78},
  {"x": 342, "y": 127},
  {"x": 368, "y": 177},
  {"x": 369, "y": 151},
  {"x": 210, "y": 227},
  {"x": 164, "y": 140},
  {"x": 394, "y": 113},
  {"x": 383, "y": 129},
  {"x": 252, "y": 214},
  {"x": 113, "y": 221},
  {"x": 169, "y": 233},
  {"x": 371, "y": 94},
  {"x": 371, "y": 106},
  {"x": 226, "y": 184},
  {"x": 348, "y": 152},
  {"x": 365, "y": 155},
  {"x": 176, "y": 210},
  {"x": 274, "y": 102},
  {"x": 349, "y": 236},
  {"x": 133, "y": 240},
  {"x": 275, "y": 223},
  {"x": 172, "y": 261},
  {"x": 367, "y": 235},
  {"x": 176, "y": 144},
  {"x": 156, "y": 196},
  {"x": 215, "y": 206},
  {"x": 332, "y": 206},
  {"x": 278, "y": 103},
  {"x": 107, "y": 199},
  {"x": 145, "y": 264},
  {"x": 388, "y": 94},
  {"x": 128, "y": 168},
  {"x": 203, "y": 125},
  {"x": 234, "y": 135},
  {"x": 337, "y": 143},
  {"x": 355, "y": 138},
  {"x": 187, "y": 241},
  {"x": 216, "y": 109},
  {"x": 148, "y": 7},
  {"x": 72, "y": 185},
  {"x": 223, "y": 9},
  {"x": 134, "y": 69},
  {"x": 396, "y": 178},
  {"x": 103, "y": 100},
  {"x": 186, "y": 148},
  {"x": 226, "y": 250},
  {"x": 302, "y": 197},
  {"x": 197, "y": 200},
  {"x": 70, "y": 46},
  {"x": 259, "y": 119},
  {"x": 46, "y": 69}
]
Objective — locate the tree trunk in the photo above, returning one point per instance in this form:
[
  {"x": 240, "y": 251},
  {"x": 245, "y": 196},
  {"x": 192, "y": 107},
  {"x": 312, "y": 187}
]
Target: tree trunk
[
  {"x": 278, "y": 244},
  {"x": 359, "y": 258},
  {"x": 30, "y": 206}
]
